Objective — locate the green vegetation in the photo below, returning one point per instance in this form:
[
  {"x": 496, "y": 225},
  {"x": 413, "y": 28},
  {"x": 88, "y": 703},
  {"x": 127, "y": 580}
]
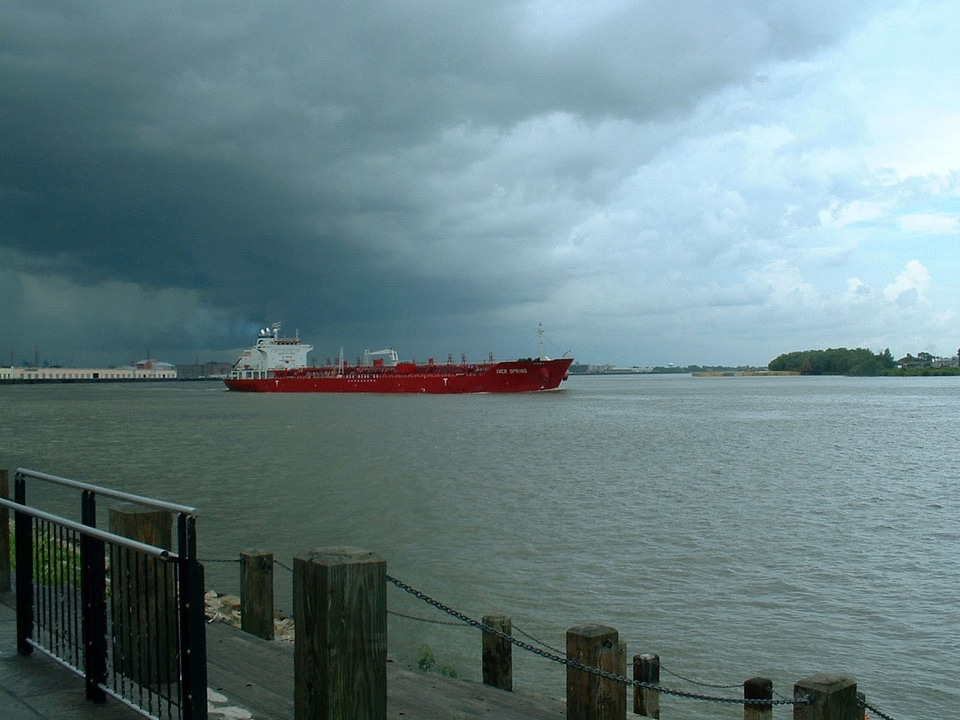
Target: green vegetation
[
  {"x": 839, "y": 361},
  {"x": 54, "y": 562},
  {"x": 427, "y": 663},
  {"x": 927, "y": 371},
  {"x": 861, "y": 362}
]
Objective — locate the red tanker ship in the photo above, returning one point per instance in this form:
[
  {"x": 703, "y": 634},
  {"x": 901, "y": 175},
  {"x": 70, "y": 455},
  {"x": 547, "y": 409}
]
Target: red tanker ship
[{"x": 278, "y": 364}]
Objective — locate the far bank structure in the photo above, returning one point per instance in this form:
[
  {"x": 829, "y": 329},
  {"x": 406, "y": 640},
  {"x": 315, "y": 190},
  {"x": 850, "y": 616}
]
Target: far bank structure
[{"x": 143, "y": 370}]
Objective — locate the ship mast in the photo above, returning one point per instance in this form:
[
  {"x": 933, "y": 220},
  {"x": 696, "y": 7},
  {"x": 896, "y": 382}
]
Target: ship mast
[{"x": 540, "y": 341}]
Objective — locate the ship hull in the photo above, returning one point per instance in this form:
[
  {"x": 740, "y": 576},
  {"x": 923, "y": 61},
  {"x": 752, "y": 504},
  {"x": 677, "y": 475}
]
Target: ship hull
[{"x": 500, "y": 377}]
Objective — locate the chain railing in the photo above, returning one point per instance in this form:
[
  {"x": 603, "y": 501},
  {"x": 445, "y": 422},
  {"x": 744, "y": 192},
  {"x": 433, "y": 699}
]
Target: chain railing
[
  {"x": 552, "y": 654},
  {"x": 603, "y": 674}
]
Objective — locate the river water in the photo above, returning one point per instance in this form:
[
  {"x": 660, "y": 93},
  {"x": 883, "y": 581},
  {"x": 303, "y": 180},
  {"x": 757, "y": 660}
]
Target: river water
[{"x": 737, "y": 527}]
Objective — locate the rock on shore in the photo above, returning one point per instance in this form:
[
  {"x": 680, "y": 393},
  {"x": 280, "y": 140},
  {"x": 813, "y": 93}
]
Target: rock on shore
[{"x": 226, "y": 609}]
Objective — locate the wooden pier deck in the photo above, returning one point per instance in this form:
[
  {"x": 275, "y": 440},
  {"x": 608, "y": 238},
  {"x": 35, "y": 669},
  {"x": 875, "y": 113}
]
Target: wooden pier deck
[
  {"x": 247, "y": 673},
  {"x": 249, "y": 679}
]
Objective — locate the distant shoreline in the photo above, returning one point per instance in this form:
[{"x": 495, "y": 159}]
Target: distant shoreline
[
  {"x": 100, "y": 381},
  {"x": 746, "y": 373}
]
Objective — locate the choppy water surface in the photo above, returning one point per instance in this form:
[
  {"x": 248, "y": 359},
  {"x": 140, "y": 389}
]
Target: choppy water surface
[{"x": 736, "y": 526}]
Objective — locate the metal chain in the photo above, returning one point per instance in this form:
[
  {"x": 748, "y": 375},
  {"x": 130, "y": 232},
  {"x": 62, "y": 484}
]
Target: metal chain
[
  {"x": 580, "y": 666},
  {"x": 215, "y": 560},
  {"x": 277, "y": 562},
  {"x": 426, "y": 620},
  {"x": 538, "y": 642},
  {"x": 718, "y": 686},
  {"x": 875, "y": 711}
]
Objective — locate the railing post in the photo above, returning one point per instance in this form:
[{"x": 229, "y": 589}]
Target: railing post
[
  {"x": 22, "y": 529},
  {"x": 256, "y": 593},
  {"x": 93, "y": 569},
  {"x": 646, "y": 668},
  {"x": 589, "y": 696},
  {"x": 340, "y": 649},
  {"x": 757, "y": 688},
  {"x": 193, "y": 630},
  {"x": 4, "y": 533},
  {"x": 497, "y": 653},
  {"x": 831, "y": 698}
]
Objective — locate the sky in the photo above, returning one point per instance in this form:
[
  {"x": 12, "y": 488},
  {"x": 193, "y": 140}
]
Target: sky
[{"x": 652, "y": 181}]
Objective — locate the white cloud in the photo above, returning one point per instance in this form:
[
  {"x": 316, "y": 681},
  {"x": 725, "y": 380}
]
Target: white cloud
[
  {"x": 930, "y": 223},
  {"x": 901, "y": 79},
  {"x": 857, "y": 291},
  {"x": 910, "y": 286}
]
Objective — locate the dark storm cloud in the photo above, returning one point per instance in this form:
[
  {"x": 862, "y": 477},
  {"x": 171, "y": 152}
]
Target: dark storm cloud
[{"x": 348, "y": 168}]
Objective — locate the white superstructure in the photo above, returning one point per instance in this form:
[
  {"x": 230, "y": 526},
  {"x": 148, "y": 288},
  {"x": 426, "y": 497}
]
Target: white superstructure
[{"x": 271, "y": 353}]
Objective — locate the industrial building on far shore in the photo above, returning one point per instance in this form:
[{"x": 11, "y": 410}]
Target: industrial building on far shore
[{"x": 143, "y": 370}]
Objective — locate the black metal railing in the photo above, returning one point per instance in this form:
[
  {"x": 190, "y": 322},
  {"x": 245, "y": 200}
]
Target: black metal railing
[{"x": 126, "y": 615}]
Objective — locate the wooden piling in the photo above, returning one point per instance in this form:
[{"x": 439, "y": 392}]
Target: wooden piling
[
  {"x": 146, "y": 525},
  {"x": 497, "y": 653},
  {"x": 622, "y": 672},
  {"x": 256, "y": 593},
  {"x": 590, "y": 697},
  {"x": 340, "y": 649},
  {"x": 4, "y": 533},
  {"x": 757, "y": 688},
  {"x": 646, "y": 668},
  {"x": 143, "y": 598},
  {"x": 831, "y": 698}
]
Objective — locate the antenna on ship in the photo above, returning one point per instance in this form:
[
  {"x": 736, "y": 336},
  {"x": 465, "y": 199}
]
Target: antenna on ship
[{"x": 540, "y": 341}]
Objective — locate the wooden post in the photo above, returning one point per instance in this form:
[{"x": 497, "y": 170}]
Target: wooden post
[
  {"x": 590, "y": 697},
  {"x": 622, "y": 672},
  {"x": 832, "y": 698},
  {"x": 143, "y": 598},
  {"x": 757, "y": 688},
  {"x": 497, "y": 653},
  {"x": 256, "y": 593},
  {"x": 146, "y": 525},
  {"x": 861, "y": 710},
  {"x": 4, "y": 533},
  {"x": 340, "y": 649},
  {"x": 646, "y": 668}
]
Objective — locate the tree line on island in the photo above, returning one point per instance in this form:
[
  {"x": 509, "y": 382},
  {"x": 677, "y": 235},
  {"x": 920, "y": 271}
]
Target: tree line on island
[{"x": 862, "y": 362}]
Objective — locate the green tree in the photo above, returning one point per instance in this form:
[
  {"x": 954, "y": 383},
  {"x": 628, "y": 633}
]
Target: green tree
[{"x": 834, "y": 361}]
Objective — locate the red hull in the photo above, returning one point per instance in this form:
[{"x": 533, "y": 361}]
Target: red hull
[{"x": 498, "y": 377}]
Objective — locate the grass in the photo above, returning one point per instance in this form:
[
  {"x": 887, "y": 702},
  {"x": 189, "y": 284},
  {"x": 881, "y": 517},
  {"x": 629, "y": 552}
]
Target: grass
[
  {"x": 55, "y": 561},
  {"x": 428, "y": 663}
]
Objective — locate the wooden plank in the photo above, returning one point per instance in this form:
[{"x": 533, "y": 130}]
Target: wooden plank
[
  {"x": 257, "y": 676},
  {"x": 250, "y": 673}
]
